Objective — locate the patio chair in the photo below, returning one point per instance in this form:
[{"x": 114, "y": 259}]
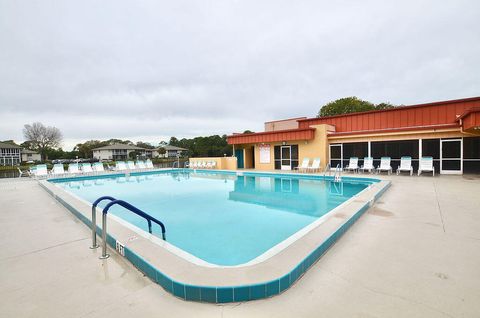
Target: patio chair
[
  {"x": 86, "y": 168},
  {"x": 367, "y": 165},
  {"x": 352, "y": 164},
  {"x": 98, "y": 167},
  {"x": 57, "y": 170},
  {"x": 426, "y": 165},
  {"x": 40, "y": 171},
  {"x": 141, "y": 164},
  {"x": 73, "y": 168},
  {"x": 405, "y": 165},
  {"x": 120, "y": 165},
  {"x": 304, "y": 165},
  {"x": 131, "y": 165},
  {"x": 149, "y": 164},
  {"x": 385, "y": 165},
  {"x": 315, "y": 167},
  {"x": 214, "y": 164},
  {"x": 208, "y": 165}
]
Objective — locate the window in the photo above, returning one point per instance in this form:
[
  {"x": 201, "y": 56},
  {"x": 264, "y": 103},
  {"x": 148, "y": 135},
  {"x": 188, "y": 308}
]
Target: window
[
  {"x": 335, "y": 155},
  {"x": 395, "y": 149},
  {"x": 355, "y": 149},
  {"x": 471, "y": 155},
  {"x": 431, "y": 148}
]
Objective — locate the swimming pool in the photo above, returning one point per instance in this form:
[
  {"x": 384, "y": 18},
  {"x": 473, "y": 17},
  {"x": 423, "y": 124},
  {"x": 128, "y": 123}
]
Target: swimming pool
[{"x": 222, "y": 218}]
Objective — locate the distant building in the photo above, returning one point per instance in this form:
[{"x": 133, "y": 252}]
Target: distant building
[
  {"x": 9, "y": 154},
  {"x": 30, "y": 155},
  {"x": 170, "y": 152},
  {"x": 120, "y": 152}
]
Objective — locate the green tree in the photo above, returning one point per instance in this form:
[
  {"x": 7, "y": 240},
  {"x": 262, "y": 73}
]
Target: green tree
[
  {"x": 345, "y": 105},
  {"x": 145, "y": 145},
  {"x": 349, "y": 105},
  {"x": 248, "y": 132}
]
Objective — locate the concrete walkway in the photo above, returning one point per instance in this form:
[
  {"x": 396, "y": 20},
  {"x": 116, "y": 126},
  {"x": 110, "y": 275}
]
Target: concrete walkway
[{"x": 416, "y": 253}]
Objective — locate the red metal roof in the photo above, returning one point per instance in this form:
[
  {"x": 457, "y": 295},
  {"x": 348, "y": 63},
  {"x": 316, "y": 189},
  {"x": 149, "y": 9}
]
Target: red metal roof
[
  {"x": 272, "y": 136},
  {"x": 406, "y": 117}
]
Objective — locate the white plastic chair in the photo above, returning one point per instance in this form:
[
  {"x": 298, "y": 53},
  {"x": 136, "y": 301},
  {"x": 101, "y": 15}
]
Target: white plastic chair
[
  {"x": 40, "y": 171},
  {"x": 214, "y": 164},
  {"x": 98, "y": 167},
  {"x": 131, "y": 165},
  {"x": 87, "y": 168},
  {"x": 120, "y": 165},
  {"x": 426, "y": 165},
  {"x": 73, "y": 168},
  {"x": 367, "y": 165},
  {"x": 304, "y": 165},
  {"x": 149, "y": 164},
  {"x": 352, "y": 164},
  {"x": 141, "y": 165},
  {"x": 405, "y": 165},
  {"x": 385, "y": 165},
  {"x": 315, "y": 165},
  {"x": 57, "y": 170}
]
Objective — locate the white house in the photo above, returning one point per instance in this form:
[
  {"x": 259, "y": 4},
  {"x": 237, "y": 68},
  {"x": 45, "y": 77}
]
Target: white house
[
  {"x": 170, "y": 152},
  {"x": 30, "y": 155},
  {"x": 120, "y": 152},
  {"x": 9, "y": 154}
]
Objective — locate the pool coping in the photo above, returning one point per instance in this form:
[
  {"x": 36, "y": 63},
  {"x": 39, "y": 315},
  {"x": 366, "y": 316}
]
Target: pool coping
[{"x": 193, "y": 282}]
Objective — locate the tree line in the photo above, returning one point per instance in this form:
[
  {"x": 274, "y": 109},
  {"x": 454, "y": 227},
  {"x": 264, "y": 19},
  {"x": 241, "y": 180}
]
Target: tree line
[{"x": 47, "y": 140}]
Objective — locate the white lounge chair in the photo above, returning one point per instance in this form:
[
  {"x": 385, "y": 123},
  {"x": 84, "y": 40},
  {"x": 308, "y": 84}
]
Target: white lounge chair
[
  {"x": 120, "y": 165},
  {"x": 98, "y": 167},
  {"x": 73, "y": 168},
  {"x": 141, "y": 165},
  {"x": 315, "y": 165},
  {"x": 214, "y": 164},
  {"x": 367, "y": 165},
  {"x": 203, "y": 165},
  {"x": 57, "y": 170},
  {"x": 385, "y": 165},
  {"x": 131, "y": 165},
  {"x": 405, "y": 165},
  {"x": 304, "y": 165},
  {"x": 352, "y": 164},
  {"x": 40, "y": 171},
  {"x": 149, "y": 164},
  {"x": 208, "y": 165},
  {"x": 426, "y": 165},
  {"x": 87, "y": 168}
]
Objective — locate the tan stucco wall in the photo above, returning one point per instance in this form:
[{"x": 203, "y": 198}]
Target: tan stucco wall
[
  {"x": 317, "y": 147},
  {"x": 247, "y": 157},
  {"x": 223, "y": 163}
]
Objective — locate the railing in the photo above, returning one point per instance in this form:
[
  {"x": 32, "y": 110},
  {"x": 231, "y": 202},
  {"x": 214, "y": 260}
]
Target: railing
[
  {"x": 337, "y": 176},
  {"x": 127, "y": 206}
]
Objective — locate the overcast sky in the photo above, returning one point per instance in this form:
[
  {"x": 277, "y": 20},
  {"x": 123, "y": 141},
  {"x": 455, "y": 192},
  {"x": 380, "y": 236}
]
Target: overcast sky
[{"x": 148, "y": 70}]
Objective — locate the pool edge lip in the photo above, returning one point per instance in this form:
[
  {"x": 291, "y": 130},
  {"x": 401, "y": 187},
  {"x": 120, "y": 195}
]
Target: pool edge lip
[{"x": 221, "y": 293}]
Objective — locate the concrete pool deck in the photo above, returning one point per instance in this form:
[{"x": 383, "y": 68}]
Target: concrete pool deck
[{"x": 416, "y": 253}]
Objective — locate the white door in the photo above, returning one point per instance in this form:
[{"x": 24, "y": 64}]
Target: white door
[
  {"x": 285, "y": 154},
  {"x": 451, "y": 156}
]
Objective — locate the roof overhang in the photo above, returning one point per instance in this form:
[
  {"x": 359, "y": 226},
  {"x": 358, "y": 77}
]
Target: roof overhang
[
  {"x": 272, "y": 136},
  {"x": 470, "y": 120}
]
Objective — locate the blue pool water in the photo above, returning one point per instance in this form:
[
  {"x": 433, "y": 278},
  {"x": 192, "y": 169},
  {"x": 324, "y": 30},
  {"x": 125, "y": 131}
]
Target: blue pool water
[{"x": 219, "y": 217}]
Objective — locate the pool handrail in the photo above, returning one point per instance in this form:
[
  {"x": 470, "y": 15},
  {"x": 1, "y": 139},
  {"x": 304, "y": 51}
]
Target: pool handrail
[
  {"x": 133, "y": 209},
  {"x": 94, "y": 218}
]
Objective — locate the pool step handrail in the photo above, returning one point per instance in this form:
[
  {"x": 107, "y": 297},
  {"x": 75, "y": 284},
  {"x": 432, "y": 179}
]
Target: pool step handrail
[
  {"x": 104, "y": 221},
  {"x": 133, "y": 209},
  {"x": 328, "y": 168},
  {"x": 94, "y": 218},
  {"x": 337, "y": 176}
]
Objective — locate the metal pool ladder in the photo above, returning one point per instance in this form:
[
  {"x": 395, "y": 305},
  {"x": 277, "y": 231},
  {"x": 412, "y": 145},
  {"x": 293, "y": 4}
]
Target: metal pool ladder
[
  {"x": 127, "y": 206},
  {"x": 337, "y": 176}
]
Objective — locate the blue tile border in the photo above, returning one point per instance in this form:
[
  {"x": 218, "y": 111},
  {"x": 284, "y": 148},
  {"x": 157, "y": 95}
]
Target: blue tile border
[{"x": 214, "y": 294}]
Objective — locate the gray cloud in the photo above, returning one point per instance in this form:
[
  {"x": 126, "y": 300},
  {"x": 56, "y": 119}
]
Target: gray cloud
[{"x": 150, "y": 70}]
